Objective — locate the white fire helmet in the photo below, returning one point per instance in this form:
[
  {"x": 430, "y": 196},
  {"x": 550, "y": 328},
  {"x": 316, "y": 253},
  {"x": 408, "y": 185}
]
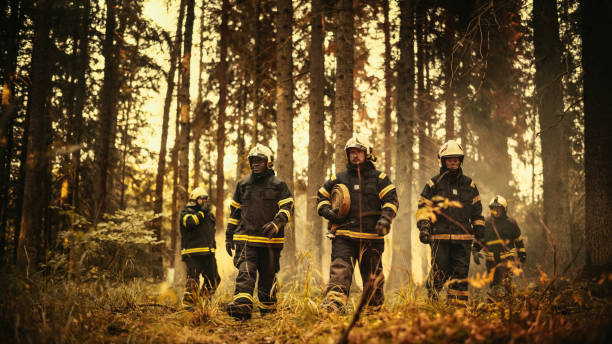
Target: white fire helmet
[
  {"x": 360, "y": 142},
  {"x": 263, "y": 152},
  {"x": 450, "y": 149},
  {"x": 499, "y": 201},
  {"x": 198, "y": 193}
]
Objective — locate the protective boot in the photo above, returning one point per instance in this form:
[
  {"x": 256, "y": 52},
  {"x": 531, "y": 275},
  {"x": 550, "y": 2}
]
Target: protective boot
[{"x": 240, "y": 309}]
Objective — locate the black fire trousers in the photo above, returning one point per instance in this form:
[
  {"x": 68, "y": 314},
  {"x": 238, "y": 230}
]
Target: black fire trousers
[
  {"x": 450, "y": 261},
  {"x": 205, "y": 266},
  {"x": 345, "y": 253},
  {"x": 252, "y": 261}
]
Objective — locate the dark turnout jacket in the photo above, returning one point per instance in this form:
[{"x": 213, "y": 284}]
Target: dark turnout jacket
[
  {"x": 372, "y": 196},
  {"x": 197, "y": 231},
  {"x": 259, "y": 199},
  {"x": 503, "y": 240},
  {"x": 453, "y": 187}
]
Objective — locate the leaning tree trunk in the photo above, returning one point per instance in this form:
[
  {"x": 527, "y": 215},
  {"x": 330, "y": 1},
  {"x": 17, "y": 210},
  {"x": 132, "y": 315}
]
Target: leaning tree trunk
[
  {"x": 402, "y": 244},
  {"x": 36, "y": 190},
  {"x": 554, "y": 127},
  {"x": 222, "y": 77},
  {"x": 345, "y": 62},
  {"x": 284, "y": 111},
  {"x": 161, "y": 163},
  {"x": 316, "y": 134},
  {"x": 596, "y": 18}
]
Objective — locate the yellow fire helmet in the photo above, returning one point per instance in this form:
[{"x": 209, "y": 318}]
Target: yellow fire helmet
[
  {"x": 263, "y": 152},
  {"x": 360, "y": 142},
  {"x": 198, "y": 193}
]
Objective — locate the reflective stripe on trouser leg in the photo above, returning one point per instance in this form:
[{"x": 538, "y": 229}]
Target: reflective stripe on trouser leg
[
  {"x": 245, "y": 260},
  {"x": 460, "y": 261}
]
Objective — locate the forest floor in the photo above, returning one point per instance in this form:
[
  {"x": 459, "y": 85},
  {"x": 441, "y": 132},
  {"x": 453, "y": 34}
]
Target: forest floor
[{"x": 44, "y": 309}]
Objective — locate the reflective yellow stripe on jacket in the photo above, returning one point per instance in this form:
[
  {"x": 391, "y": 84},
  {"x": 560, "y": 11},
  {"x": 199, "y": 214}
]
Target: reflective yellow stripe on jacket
[
  {"x": 264, "y": 240},
  {"x": 197, "y": 250},
  {"x": 452, "y": 237},
  {"x": 358, "y": 235}
]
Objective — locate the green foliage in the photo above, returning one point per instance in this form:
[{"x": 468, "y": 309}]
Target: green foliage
[{"x": 121, "y": 247}]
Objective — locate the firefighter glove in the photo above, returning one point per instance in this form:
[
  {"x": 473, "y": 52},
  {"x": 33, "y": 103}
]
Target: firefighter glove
[
  {"x": 383, "y": 225},
  {"x": 424, "y": 236},
  {"x": 332, "y": 215},
  {"x": 270, "y": 229},
  {"x": 477, "y": 255},
  {"x": 229, "y": 247}
]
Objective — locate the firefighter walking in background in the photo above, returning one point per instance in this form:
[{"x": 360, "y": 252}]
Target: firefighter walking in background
[
  {"x": 198, "y": 247},
  {"x": 502, "y": 238},
  {"x": 358, "y": 234},
  {"x": 458, "y": 218},
  {"x": 261, "y": 207}
]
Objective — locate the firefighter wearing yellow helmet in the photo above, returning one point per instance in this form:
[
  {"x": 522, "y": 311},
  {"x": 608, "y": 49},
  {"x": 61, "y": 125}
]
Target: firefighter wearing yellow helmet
[
  {"x": 261, "y": 207},
  {"x": 450, "y": 227},
  {"x": 503, "y": 241},
  {"x": 359, "y": 234},
  {"x": 197, "y": 226}
]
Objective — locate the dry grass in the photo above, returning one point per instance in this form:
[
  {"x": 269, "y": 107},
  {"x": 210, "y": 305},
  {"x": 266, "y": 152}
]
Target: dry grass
[{"x": 51, "y": 309}]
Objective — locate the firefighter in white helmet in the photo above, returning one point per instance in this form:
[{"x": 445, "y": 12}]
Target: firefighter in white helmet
[
  {"x": 451, "y": 231},
  {"x": 261, "y": 207},
  {"x": 503, "y": 241},
  {"x": 197, "y": 225},
  {"x": 359, "y": 235}
]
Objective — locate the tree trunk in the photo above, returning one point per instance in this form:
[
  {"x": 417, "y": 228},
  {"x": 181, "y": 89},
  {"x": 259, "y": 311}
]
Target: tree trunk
[
  {"x": 80, "y": 96},
  {"x": 388, "y": 87},
  {"x": 185, "y": 102},
  {"x": 222, "y": 77},
  {"x": 596, "y": 18},
  {"x": 284, "y": 111},
  {"x": 255, "y": 69},
  {"x": 36, "y": 188},
  {"x": 449, "y": 59},
  {"x": 497, "y": 99},
  {"x": 108, "y": 112},
  {"x": 316, "y": 134},
  {"x": 161, "y": 163},
  {"x": 420, "y": 101},
  {"x": 554, "y": 127},
  {"x": 199, "y": 114},
  {"x": 345, "y": 61},
  {"x": 8, "y": 114},
  {"x": 402, "y": 244}
]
